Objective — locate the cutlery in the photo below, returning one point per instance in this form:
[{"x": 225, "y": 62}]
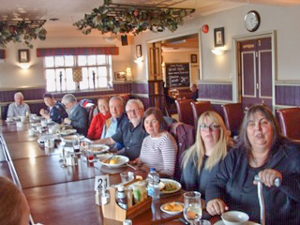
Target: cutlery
[{"x": 131, "y": 166}]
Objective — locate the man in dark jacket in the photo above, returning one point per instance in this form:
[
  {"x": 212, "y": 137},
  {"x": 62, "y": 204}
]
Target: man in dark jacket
[{"x": 77, "y": 114}]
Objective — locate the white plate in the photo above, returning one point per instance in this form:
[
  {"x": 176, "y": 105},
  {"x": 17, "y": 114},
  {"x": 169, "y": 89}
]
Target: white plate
[
  {"x": 99, "y": 148},
  {"x": 68, "y": 132},
  {"x": 121, "y": 161},
  {"x": 220, "y": 222},
  {"x": 171, "y": 212},
  {"x": 165, "y": 181},
  {"x": 69, "y": 139}
]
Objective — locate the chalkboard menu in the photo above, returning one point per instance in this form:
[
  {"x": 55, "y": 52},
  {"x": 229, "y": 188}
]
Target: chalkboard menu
[{"x": 178, "y": 75}]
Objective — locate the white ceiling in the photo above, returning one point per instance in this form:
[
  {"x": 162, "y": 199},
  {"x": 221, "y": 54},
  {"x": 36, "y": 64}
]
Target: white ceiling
[{"x": 70, "y": 11}]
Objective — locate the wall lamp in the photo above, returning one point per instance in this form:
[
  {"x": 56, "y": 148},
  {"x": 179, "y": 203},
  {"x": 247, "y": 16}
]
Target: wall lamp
[
  {"x": 139, "y": 60},
  {"x": 218, "y": 51}
]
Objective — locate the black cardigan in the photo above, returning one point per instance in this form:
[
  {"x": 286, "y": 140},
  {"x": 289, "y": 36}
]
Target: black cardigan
[{"x": 233, "y": 179}]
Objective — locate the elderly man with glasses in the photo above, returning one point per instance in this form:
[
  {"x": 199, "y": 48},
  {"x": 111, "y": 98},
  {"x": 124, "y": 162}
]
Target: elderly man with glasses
[
  {"x": 132, "y": 133},
  {"x": 77, "y": 114}
]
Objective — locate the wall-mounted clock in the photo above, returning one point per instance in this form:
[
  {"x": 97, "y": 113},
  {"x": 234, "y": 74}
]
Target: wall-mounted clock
[{"x": 252, "y": 21}]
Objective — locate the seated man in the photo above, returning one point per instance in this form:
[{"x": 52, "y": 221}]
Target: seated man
[
  {"x": 132, "y": 133},
  {"x": 56, "y": 111},
  {"x": 195, "y": 90},
  {"x": 77, "y": 114},
  {"x": 18, "y": 108},
  {"x": 118, "y": 117}
]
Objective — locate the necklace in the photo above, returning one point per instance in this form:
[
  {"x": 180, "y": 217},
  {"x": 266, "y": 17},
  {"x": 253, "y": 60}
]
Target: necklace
[{"x": 255, "y": 160}]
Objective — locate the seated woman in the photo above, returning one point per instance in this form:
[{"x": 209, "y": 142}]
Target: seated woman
[
  {"x": 159, "y": 149},
  {"x": 98, "y": 122},
  {"x": 201, "y": 161},
  {"x": 55, "y": 111},
  {"x": 261, "y": 150},
  {"x": 13, "y": 205}
]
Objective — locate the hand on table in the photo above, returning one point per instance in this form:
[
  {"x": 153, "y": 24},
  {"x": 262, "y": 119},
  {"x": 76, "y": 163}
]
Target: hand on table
[
  {"x": 216, "y": 207},
  {"x": 67, "y": 121},
  {"x": 268, "y": 177}
]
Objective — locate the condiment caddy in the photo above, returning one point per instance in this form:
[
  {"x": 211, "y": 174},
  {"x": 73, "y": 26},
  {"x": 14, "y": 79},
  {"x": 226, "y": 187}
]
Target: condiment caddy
[{"x": 114, "y": 212}]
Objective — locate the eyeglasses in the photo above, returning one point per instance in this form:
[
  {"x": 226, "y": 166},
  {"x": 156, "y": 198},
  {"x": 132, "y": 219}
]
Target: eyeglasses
[
  {"x": 203, "y": 126},
  {"x": 133, "y": 111}
]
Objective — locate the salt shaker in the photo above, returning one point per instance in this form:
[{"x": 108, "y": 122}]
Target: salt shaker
[{"x": 98, "y": 197}]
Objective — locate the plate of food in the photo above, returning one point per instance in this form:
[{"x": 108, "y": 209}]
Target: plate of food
[
  {"x": 113, "y": 161},
  {"x": 99, "y": 148},
  {"x": 68, "y": 131},
  {"x": 170, "y": 186},
  {"x": 172, "y": 207}
]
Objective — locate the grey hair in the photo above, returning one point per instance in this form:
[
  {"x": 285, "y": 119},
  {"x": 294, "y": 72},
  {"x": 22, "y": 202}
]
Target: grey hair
[
  {"x": 243, "y": 137},
  {"x": 69, "y": 98},
  {"x": 117, "y": 98},
  {"x": 135, "y": 101},
  {"x": 19, "y": 94}
]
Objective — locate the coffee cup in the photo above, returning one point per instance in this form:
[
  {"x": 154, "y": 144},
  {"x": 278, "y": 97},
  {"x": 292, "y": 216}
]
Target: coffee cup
[
  {"x": 23, "y": 118},
  {"x": 31, "y": 132},
  {"x": 19, "y": 124},
  {"x": 44, "y": 123}
]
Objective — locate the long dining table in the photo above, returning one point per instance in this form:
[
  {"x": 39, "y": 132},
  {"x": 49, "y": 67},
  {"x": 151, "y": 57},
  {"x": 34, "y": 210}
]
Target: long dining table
[{"x": 65, "y": 195}]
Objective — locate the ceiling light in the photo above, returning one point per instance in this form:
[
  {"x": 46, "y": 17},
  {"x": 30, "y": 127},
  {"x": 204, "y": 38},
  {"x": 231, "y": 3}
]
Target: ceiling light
[{"x": 119, "y": 18}]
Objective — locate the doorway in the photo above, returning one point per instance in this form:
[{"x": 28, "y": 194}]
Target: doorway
[{"x": 255, "y": 71}]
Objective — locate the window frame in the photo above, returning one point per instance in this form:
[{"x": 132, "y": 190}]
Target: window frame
[{"x": 107, "y": 65}]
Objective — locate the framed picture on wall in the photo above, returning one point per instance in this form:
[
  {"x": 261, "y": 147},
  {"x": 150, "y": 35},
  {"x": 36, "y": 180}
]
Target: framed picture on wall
[
  {"x": 194, "y": 58},
  {"x": 23, "y": 55},
  {"x": 120, "y": 76},
  {"x": 219, "y": 37},
  {"x": 139, "y": 51}
]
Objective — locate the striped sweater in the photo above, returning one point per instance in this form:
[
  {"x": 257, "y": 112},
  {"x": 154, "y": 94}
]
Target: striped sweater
[{"x": 160, "y": 153}]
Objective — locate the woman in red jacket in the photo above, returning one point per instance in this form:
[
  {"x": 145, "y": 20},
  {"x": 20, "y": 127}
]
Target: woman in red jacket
[{"x": 96, "y": 127}]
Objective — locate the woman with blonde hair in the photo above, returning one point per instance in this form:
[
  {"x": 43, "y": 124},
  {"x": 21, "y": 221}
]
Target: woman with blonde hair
[{"x": 201, "y": 160}]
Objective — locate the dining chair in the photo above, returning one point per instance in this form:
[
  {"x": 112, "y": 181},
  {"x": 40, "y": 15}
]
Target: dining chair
[
  {"x": 289, "y": 120},
  {"x": 184, "y": 135},
  {"x": 92, "y": 110},
  {"x": 198, "y": 108},
  {"x": 185, "y": 112},
  {"x": 233, "y": 116}
]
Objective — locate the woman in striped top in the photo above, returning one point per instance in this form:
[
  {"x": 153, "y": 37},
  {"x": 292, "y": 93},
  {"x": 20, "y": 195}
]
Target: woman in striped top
[{"x": 159, "y": 149}]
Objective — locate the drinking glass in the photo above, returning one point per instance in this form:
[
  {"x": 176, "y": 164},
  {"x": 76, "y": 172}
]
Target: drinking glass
[
  {"x": 192, "y": 207},
  {"x": 76, "y": 144}
]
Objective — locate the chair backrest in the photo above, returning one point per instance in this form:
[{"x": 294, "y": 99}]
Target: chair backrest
[
  {"x": 198, "y": 108},
  {"x": 289, "y": 120},
  {"x": 92, "y": 110},
  {"x": 184, "y": 110},
  {"x": 233, "y": 117},
  {"x": 184, "y": 135}
]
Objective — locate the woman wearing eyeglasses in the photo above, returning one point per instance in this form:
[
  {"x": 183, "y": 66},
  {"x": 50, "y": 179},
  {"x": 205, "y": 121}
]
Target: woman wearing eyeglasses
[
  {"x": 201, "y": 160},
  {"x": 159, "y": 149}
]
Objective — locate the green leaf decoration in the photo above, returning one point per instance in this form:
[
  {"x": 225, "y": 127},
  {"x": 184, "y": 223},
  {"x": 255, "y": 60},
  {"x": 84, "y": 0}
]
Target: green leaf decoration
[{"x": 119, "y": 18}]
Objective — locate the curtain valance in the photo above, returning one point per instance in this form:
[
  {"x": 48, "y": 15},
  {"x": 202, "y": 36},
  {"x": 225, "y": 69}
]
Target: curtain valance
[{"x": 41, "y": 52}]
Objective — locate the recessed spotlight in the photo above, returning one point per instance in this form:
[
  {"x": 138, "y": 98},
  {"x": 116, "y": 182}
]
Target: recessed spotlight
[{"x": 53, "y": 19}]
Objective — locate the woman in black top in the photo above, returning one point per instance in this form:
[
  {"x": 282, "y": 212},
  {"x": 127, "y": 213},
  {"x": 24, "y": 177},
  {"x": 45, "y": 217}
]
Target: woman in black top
[
  {"x": 263, "y": 151},
  {"x": 201, "y": 161}
]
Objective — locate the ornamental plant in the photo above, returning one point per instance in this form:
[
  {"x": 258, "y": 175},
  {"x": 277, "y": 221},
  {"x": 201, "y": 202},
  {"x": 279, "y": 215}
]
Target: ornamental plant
[
  {"x": 119, "y": 18},
  {"x": 21, "y": 32}
]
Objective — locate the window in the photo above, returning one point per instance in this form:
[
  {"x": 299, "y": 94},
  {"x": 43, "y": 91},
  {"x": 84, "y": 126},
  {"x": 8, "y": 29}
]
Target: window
[{"x": 96, "y": 72}]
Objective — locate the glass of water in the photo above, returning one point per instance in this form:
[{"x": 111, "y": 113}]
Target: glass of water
[{"x": 192, "y": 207}]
